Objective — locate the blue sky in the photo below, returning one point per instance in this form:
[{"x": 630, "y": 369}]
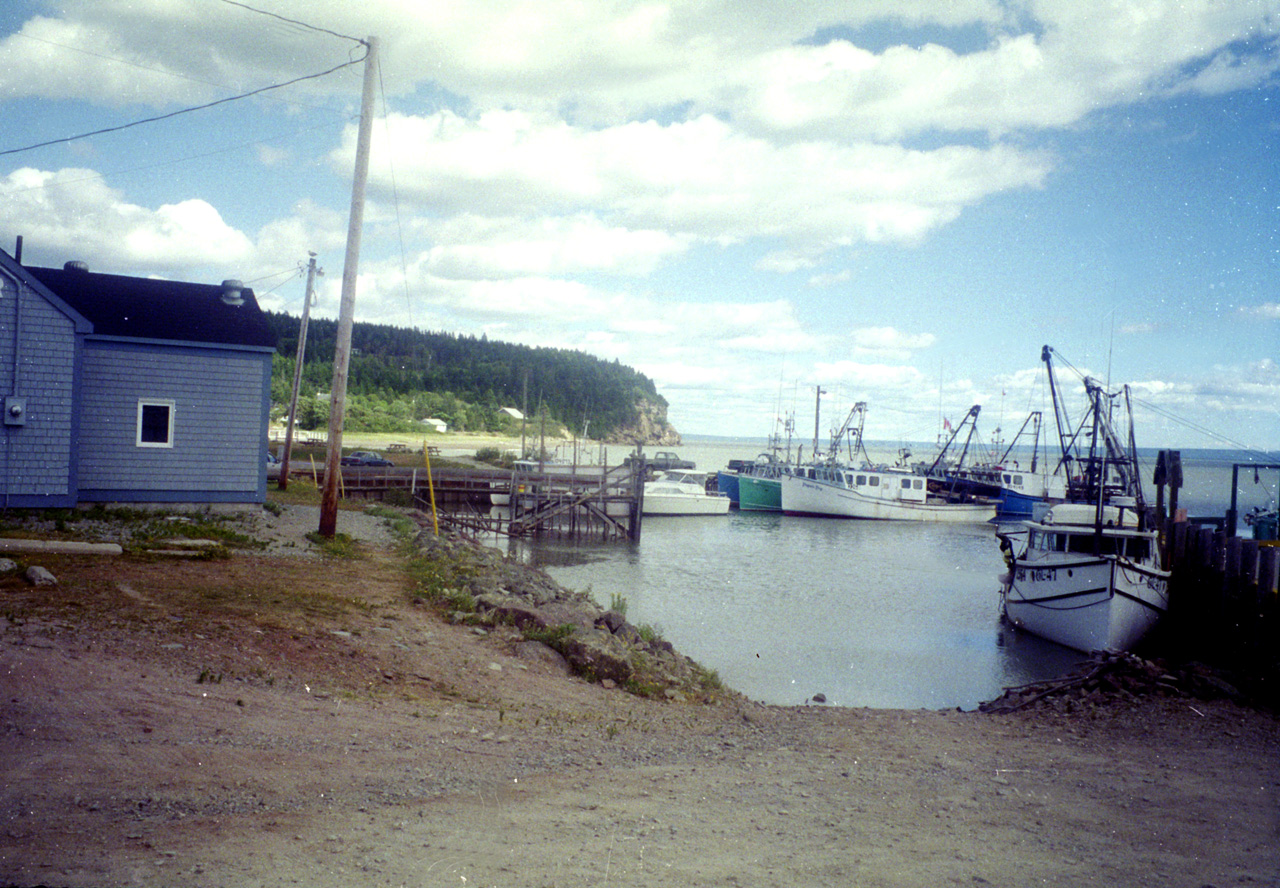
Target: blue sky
[{"x": 900, "y": 201}]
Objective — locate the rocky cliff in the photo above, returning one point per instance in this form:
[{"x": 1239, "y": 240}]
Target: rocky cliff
[{"x": 649, "y": 427}]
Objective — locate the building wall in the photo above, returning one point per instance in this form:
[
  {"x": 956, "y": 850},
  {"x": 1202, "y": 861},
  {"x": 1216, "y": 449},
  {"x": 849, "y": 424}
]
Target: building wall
[
  {"x": 221, "y": 402},
  {"x": 38, "y": 353}
]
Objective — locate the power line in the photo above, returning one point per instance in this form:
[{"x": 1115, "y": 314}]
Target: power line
[
  {"x": 124, "y": 126},
  {"x": 294, "y": 22}
]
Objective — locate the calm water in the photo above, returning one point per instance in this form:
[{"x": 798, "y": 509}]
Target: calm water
[{"x": 876, "y": 614}]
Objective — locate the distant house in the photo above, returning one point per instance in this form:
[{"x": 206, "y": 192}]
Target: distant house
[
  {"x": 134, "y": 390},
  {"x": 438, "y": 425},
  {"x": 512, "y": 412}
]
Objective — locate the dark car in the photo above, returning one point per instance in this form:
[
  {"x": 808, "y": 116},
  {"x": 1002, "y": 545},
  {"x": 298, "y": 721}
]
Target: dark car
[{"x": 366, "y": 458}]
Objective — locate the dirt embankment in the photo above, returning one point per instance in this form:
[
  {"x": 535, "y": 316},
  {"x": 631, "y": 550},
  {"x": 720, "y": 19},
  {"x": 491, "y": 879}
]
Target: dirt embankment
[{"x": 285, "y": 718}]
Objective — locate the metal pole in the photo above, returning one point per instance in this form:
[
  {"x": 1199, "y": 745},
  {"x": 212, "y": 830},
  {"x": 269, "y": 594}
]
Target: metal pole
[
  {"x": 350, "y": 271},
  {"x": 283, "y": 481}
]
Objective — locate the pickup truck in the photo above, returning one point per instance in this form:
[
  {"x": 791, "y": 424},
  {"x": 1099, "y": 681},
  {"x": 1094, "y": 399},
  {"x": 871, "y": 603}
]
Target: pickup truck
[
  {"x": 365, "y": 458},
  {"x": 665, "y": 460}
]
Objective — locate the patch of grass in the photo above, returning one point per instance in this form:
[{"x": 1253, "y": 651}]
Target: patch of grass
[
  {"x": 709, "y": 680},
  {"x": 553, "y": 636},
  {"x": 649, "y": 633},
  {"x": 618, "y": 603},
  {"x": 340, "y": 546},
  {"x": 404, "y": 528}
]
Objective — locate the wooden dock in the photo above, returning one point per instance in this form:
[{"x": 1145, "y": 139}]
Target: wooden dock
[
  {"x": 1224, "y": 596},
  {"x": 579, "y": 502}
]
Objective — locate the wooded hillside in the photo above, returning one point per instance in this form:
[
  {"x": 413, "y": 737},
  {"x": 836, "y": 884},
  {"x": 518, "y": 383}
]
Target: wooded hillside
[{"x": 399, "y": 376}]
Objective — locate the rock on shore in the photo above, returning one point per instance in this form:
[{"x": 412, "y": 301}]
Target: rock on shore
[{"x": 596, "y": 643}]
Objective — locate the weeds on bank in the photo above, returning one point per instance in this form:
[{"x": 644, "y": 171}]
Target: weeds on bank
[{"x": 340, "y": 545}]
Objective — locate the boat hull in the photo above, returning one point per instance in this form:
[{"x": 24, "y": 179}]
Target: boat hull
[
  {"x": 660, "y": 504},
  {"x": 803, "y": 496},
  {"x": 729, "y": 483},
  {"x": 1085, "y": 603},
  {"x": 759, "y": 494}
]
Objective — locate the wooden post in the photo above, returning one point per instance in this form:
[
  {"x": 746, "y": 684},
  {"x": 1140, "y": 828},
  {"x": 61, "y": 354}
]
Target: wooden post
[
  {"x": 1268, "y": 570},
  {"x": 283, "y": 481},
  {"x": 346, "y": 313}
]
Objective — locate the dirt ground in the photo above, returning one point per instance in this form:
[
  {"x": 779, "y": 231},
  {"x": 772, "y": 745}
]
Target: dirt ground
[{"x": 287, "y": 718}]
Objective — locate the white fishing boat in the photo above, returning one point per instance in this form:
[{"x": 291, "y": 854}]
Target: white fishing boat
[
  {"x": 875, "y": 494},
  {"x": 1088, "y": 574},
  {"x": 1087, "y": 579},
  {"x": 682, "y": 492}
]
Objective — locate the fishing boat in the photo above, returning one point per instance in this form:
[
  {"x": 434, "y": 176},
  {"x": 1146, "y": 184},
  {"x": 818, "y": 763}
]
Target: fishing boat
[
  {"x": 831, "y": 488},
  {"x": 1088, "y": 574},
  {"x": 883, "y": 494},
  {"x": 1018, "y": 491},
  {"x": 682, "y": 492},
  {"x": 1085, "y": 578},
  {"x": 760, "y": 493}
]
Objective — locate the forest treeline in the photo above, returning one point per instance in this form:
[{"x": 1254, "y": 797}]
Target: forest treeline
[{"x": 399, "y": 376}]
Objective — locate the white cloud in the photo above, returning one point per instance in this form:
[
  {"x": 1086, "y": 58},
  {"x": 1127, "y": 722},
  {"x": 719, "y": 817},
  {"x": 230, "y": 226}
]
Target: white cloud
[
  {"x": 473, "y": 247},
  {"x": 73, "y": 213},
  {"x": 1267, "y": 310},
  {"x": 697, "y": 179},
  {"x": 890, "y": 344}
]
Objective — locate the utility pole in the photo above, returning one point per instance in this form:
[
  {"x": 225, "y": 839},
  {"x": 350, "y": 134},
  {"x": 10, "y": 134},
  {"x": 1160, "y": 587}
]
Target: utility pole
[
  {"x": 350, "y": 271},
  {"x": 283, "y": 482}
]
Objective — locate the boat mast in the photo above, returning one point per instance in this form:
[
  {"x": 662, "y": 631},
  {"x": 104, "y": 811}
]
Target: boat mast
[
  {"x": 1059, "y": 417},
  {"x": 817, "y": 412}
]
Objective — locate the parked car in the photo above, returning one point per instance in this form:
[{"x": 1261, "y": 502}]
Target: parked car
[
  {"x": 664, "y": 461},
  {"x": 273, "y": 466},
  {"x": 366, "y": 458}
]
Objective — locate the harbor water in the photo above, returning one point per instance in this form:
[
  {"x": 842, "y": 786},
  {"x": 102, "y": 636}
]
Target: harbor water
[{"x": 863, "y": 613}]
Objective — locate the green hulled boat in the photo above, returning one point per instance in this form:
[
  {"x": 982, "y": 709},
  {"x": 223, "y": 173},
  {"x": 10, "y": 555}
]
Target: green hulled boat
[{"x": 759, "y": 494}]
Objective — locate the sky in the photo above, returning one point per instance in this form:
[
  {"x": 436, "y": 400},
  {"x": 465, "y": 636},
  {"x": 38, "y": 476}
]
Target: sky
[{"x": 898, "y": 201}]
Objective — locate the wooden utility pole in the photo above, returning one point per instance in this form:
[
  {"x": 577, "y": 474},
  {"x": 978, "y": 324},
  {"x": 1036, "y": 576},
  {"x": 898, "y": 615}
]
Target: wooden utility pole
[
  {"x": 312, "y": 271},
  {"x": 350, "y": 270}
]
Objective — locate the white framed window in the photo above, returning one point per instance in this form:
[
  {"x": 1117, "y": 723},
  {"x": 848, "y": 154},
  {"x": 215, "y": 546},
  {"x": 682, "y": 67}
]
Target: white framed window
[{"x": 155, "y": 422}]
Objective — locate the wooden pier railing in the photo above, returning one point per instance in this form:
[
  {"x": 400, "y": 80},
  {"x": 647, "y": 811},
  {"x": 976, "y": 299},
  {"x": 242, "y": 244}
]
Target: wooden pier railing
[{"x": 585, "y": 501}]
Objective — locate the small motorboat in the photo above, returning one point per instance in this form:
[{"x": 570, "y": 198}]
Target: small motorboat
[{"x": 682, "y": 492}]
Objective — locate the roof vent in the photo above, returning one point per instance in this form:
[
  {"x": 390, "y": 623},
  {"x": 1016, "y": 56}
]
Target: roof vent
[
  {"x": 232, "y": 292},
  {"x": 76, "y": 265}
]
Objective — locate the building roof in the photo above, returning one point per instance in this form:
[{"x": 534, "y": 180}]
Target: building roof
[{"x": 148, "y": 308}]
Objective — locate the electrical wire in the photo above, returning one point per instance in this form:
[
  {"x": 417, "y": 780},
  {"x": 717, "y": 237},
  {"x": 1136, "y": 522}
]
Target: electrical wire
[
  {"x": 159, "y": 117},
  {"x": 293, "y": 21}
]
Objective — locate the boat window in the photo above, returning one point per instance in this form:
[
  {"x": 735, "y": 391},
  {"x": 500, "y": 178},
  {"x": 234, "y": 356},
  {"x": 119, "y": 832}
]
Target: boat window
[
  {"x": 906, "y": 483},
  {"x": 1085, "y": 543},
  {"x": 875, "y": 480},
  {"x": 918, "y": 483},
  {"x": 861, "y": 480},
  {"x": 1005, "y": 477},
  {"x": 1017, "y": 480}
]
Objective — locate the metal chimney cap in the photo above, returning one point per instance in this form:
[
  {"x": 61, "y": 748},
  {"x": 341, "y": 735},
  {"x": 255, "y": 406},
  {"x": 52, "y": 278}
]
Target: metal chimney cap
[{"x": 232, "y": 292}]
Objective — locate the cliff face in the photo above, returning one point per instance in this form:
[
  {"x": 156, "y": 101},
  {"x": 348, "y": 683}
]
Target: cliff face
[{"x": 649, "y": 427}]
